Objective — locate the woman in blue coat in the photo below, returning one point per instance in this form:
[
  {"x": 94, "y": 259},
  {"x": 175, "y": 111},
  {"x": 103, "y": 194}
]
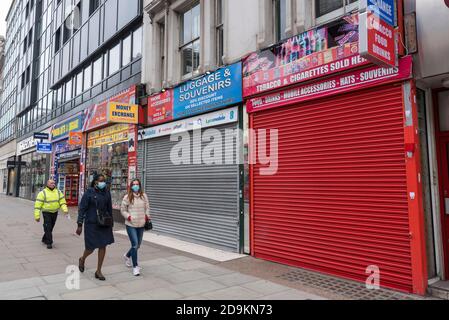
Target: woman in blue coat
[{"x": 95, "y": 236}]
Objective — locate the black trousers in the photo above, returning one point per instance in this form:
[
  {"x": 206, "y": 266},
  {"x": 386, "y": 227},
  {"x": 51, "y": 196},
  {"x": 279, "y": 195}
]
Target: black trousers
[{"x": 49, "y": 224}]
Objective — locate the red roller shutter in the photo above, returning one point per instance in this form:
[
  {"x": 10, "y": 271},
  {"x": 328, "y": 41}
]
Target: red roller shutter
[{"x": 338, "y": 202}]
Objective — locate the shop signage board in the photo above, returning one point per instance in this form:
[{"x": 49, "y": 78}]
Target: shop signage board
[
  {"x": 384, "y": 9},
  {"x": 13, "y": 164},
  {"x": 75, "y": 138},
  {"x": 210, "y": 92},
  {"x": 199, "y": 122},
  {"x": 218, "y": 89},
  {"x": 97, "y": 115},
  {"x": 113, "y": 134},
  {"x": 29, "y": 144},
  {"x": 45, "y": 148},
  {"x": 70, "y": 154},
  {"x": 123, "y": 113},
  {"x": 41, "y": 136},
  {"x": 62, "y": 130},
  {"x": 377, "y": 40},
  {"x": 160, "y": 108},
  {"x": 353, "y": 80},
  {"x": 303, "y": 57}
]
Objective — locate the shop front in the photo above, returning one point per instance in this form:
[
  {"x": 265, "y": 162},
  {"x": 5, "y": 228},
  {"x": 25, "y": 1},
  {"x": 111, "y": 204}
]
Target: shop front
[
  {"x": 33, "y": 168},
  {"x": 189, "y": 162},
  {"x": 111, "y": 137},
  {"x": 67, "y": 141},
  {"x": 7, "y": 164},
  {"x": 345, "y": 198}
]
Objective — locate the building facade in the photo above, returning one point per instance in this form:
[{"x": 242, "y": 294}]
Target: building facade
[
  {"x": 63, "y": 58},
  {"x": 262, "y": 129},
  {"x": 346, "y": 196}
]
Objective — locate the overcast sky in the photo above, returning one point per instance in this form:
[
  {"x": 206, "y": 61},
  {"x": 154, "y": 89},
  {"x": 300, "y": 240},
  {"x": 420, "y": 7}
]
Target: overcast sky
[{"x": 4, "y": 7}]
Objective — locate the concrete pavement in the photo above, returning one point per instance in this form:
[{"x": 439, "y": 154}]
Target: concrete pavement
[{"x": 28, "y": 270}]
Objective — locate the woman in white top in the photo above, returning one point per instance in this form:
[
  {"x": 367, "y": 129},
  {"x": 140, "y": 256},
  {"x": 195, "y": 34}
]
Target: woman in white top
[{"x": 135, "y": 209}]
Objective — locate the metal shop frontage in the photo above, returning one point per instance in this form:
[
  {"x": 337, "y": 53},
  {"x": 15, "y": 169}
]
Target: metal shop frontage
[
  {"x": 32, "y": 167},
  {"x": 67, "y": 140},
  {"x": 111, "y": 142},
  {"x": 346, "y": 196},
  {"x": 189, "y": 160}
]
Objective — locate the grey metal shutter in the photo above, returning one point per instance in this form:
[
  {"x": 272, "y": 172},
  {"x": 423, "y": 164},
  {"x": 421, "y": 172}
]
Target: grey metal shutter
[
  {"x": 141, "y": 161},
  {"x": 198, "y": 203}
]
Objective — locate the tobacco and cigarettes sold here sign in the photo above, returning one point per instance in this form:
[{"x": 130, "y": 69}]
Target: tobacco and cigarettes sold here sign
[{"x": 338, "y": 84}]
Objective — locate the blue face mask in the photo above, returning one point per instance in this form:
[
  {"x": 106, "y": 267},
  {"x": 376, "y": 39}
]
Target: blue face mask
[
  {"x": 135, "y": 188},
  {"x": 101, "y": 185}
]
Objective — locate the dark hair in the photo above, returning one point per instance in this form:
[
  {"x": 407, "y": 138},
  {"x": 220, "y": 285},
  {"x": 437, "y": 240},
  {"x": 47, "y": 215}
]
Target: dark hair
[
  {"x": 96, "y": 178},
  {"x": 131, "y": 192}
]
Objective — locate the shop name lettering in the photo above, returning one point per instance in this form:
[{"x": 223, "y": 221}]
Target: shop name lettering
[
  {"x": 381, "y": 42},
  {"x": 313, "y": 73},
  {"x": 123, "y": 112},
  {"x": 383, "y": 6},
  {"x": 346, "y": 81},
  {"x": 66, "y": 128},
  {"x": 205, "y": 86}
]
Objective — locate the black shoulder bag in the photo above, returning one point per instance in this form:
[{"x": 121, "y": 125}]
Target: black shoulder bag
[{"x": 103, "y": 220}]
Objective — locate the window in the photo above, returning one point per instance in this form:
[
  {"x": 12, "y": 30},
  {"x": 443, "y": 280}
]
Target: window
[
  {"x": 280, "y": 19},
  {"x": 94, "y": 32},
  {"x": 330, "y": 9},
  {"x": 162, "y": 49},
  {"x": 190, "y": 41},
  {"x": 30, "y": 37},
  {"x": 68, "y": 91},
  {"x": 87, "y": 78},
  {"x": 114, "y": 59},
  {"x": 137, "y": 43},
  {"x": 98, "y": 71},
  {"x": 110, "y": 11},
  {"x": 79, "y": 83},
  {"x": 67, "y": 29},
  {"x": 126, "y": 51},
  {"x": 28, "y": 74},
  {"x": 94, "y": 4},
  {"x": 57, "y": 40},
  {"x": 25, "y": 45},
  {"x": 128, "y": 9},
  {"x": 219, "y": 10}
]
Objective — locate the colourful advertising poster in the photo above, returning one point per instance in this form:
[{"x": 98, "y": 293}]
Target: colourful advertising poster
[
  {"x": 160, "y": 108},
  {"x": 132, "y": 153},
  {"x": 123, "y": 113},
  {"x": 97, "y": 115},
  {"x": 285, "y": 63},
  {"x": 344, "y": 82},
  {"x": 219, "y": 89},
  {"x": 62, "y": 130}
]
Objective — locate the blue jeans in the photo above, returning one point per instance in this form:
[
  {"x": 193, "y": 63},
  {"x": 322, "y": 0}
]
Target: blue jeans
[{"x": 135, "y": 236}]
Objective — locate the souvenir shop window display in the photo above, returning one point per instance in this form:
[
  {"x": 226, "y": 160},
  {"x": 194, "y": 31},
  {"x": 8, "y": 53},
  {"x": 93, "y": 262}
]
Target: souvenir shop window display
[
  {"x": 119, "y": 173},
  {"x": 111, "y": 161}
]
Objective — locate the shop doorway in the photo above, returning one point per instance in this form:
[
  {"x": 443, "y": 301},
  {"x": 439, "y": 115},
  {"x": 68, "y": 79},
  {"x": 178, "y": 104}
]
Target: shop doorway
[
  {"x": 442, "y": 106},
  {"x": 68, "y": 181}
]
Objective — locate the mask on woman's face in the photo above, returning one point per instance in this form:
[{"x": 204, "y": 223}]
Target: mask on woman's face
[
  {"x": 101, "y": 185},
  {"x": 135, "y": 188}
]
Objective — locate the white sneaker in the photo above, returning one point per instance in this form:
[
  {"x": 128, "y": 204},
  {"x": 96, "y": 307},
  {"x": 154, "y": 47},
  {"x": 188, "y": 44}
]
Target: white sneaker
[
  {"x": 136, "y": 271},
  {"x": 128, "y": 262}
]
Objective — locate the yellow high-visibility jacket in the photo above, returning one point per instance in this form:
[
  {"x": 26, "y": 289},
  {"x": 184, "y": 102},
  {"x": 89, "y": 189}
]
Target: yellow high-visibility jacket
[{"x": 49, "y": 201}]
